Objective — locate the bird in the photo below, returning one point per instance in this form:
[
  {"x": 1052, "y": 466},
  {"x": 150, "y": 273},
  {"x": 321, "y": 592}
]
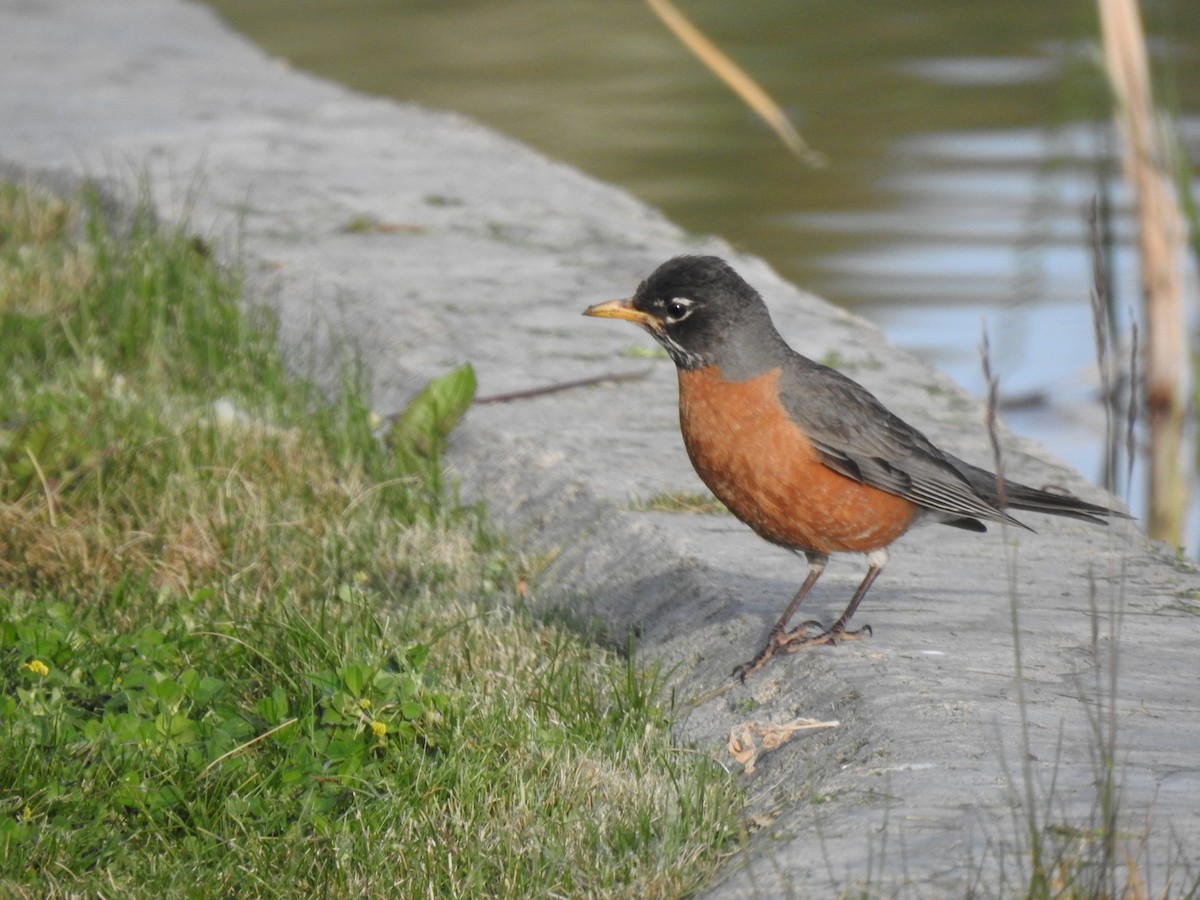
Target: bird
[{"x": 805, "y": 456}]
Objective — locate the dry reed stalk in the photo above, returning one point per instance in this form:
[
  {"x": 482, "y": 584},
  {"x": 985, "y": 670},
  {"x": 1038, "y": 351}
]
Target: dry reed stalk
[
  {"x": 1148, "y": 171},
  {"x": 737, "y": 80}
]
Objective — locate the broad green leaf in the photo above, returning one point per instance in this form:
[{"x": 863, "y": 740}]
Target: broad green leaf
[
  {"x": 421, "y": 428},
  {"x": 354, "y": 677}
]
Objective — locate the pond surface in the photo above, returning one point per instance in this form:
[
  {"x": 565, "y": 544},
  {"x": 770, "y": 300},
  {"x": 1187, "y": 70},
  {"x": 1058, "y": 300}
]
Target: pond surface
[{"x": 964, "y": 143}]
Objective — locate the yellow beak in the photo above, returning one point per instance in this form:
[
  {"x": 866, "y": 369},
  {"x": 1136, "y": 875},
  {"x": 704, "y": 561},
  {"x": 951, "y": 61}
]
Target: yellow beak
[{"x": 621, "y": 309}]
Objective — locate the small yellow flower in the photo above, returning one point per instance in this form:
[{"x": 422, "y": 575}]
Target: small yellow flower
[
  {"x": 379, "y": 729},
  {"x": 37, "y": 667},
  {"x": 364, "y": 703}
]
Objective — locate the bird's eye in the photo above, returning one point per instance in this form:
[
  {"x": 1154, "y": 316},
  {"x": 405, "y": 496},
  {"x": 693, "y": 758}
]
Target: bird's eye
[{"x": 678, "y": 309}]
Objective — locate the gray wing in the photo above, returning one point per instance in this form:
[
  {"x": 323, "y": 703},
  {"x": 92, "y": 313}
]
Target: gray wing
[{"x": 860, "y": 438}]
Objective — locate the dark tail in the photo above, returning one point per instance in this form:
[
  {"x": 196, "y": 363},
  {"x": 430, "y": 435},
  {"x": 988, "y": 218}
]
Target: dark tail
[{"x": 1021, "y": 496}]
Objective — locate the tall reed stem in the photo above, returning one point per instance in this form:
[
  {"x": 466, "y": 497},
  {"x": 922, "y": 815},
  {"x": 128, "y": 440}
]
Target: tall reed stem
[{"x": 1148, "y": 170}]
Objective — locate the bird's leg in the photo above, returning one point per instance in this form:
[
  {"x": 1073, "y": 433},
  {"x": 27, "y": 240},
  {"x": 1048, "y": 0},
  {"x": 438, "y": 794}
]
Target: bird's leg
[
  {"x": 779, "y": 635},
  {"x": 876, "y": 560}
]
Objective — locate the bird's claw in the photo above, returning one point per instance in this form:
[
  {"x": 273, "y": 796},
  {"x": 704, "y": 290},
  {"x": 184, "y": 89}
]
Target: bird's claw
[
  {"x": 831, "y": 636},
  {"x": 795, "y": 640},
  {"x": 778, "y": 639}
]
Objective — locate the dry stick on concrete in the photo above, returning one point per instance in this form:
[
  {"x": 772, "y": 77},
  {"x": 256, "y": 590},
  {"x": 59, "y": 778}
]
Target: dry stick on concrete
[
  {"x": 561, "y": 386},
  {"x": 1160, "y": 244}
]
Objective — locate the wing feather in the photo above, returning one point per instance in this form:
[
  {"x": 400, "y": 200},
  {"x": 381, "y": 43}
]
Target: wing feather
[{"x": 860, "y": 438}]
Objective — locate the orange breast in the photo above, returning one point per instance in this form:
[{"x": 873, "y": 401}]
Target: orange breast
[{"x": 759, "y": 464}]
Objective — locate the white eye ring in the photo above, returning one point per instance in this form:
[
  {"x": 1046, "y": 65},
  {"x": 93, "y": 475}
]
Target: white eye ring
[{"x": 677, "y": 309}]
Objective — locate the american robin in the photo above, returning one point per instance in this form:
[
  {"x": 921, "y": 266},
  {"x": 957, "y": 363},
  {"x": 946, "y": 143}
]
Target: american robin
[{"x": 803, "y": 455}]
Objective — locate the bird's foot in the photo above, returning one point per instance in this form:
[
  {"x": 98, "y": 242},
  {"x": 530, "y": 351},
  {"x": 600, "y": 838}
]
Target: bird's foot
[
  {"x": 829, "y": 636},
  {"x": 778, "y": 639},
  {"x": 795, "y": 640}
]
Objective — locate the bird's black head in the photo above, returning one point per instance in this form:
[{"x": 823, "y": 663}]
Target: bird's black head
[{"x": 699, "y": 309}]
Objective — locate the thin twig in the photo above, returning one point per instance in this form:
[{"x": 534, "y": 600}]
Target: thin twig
[
  {"x": 1101, "y": 329},
  {"x": 993, "y": 392},
  {"x": 1099, "y": 297},
  {"x": 250, "y": 743},
  {"x": 562, "y": 386},
  {"x": 1131, "y": 416},
  {"x": 51, "y": 503}
]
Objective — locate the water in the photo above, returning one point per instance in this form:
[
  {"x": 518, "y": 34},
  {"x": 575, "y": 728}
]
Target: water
[{"x": 965, "y": 144}]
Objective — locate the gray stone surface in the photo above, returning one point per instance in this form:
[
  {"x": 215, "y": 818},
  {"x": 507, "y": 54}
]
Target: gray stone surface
[{"x": 494, "y": 252}]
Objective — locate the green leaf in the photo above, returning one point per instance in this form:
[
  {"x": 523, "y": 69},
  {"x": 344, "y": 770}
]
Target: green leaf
[
  {"x": 102, "y": 675},
  {"x": 176, "y": 727},
  {"x": 354, "y": 677},
  {"x": 273, "y": 708},
  {"x": 325, "y": 681},
  {"x": 417, "y": 654},
  {"x": 420, "y": 430},
  {"x": 333, "y": 716},
  {"x": 411, "y": 709},
  {"x": 169, "y": 693},
  {"x": 208, "y": 689}
]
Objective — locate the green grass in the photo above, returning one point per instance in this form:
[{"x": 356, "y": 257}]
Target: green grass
[{"x": 248, "y": 650}]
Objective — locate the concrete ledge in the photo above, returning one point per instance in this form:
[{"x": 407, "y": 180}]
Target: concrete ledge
[{"x": 494, "y": 253}]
